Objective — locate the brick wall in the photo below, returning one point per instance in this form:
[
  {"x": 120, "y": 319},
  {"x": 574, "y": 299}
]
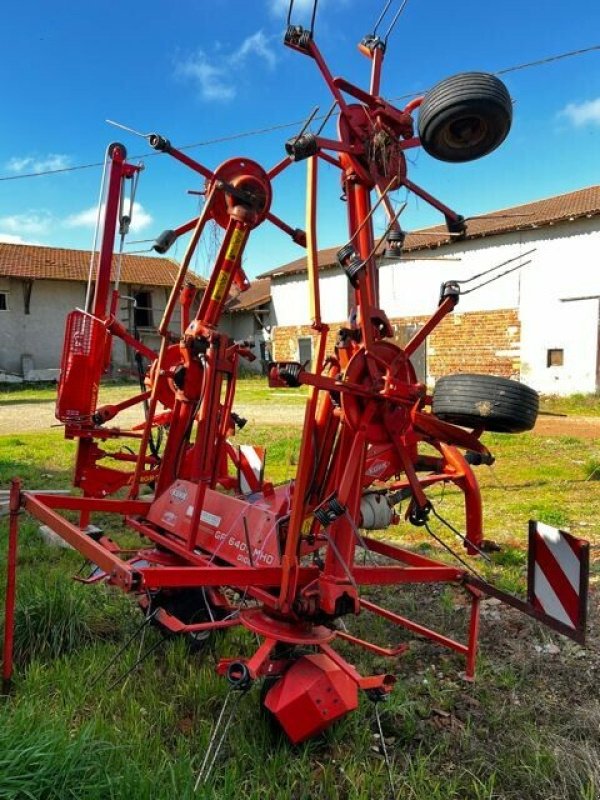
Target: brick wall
[
  {"x": 479, "y": 341},
  {"x": 285, "y": 340}
]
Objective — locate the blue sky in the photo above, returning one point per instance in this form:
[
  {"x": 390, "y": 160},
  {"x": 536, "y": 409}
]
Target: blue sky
[{"x": 198, "y": 70}]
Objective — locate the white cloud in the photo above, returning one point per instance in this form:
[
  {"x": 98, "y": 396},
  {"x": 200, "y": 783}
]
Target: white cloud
[
  {"x": 214, "y": 77},
  {"x": 53, "y": 161},
  {"x": 28, "y": 222},
  {"x": 11, "y": 238},
  {"x": 210, "y": 79},
  {"x": 580, "y": 114},
  {"x": 140, "y": 219},
  {"x": 255, "y": 45}
]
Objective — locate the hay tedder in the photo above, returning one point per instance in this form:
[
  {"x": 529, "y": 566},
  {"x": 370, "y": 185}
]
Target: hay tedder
[{"x": 220, "y": 545}]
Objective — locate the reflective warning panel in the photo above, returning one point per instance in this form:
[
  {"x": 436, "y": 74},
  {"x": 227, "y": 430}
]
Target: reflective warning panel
[
  {"x": 251, "y": 468},
  {"x": 558, "y": 578}
]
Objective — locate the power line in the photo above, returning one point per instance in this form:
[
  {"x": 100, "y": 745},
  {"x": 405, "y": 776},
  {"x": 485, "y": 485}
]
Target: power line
[{"x": 283, "y": 125}]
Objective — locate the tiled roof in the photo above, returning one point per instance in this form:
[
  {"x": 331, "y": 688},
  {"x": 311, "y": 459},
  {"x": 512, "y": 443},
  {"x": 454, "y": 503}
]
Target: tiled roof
[
  {"x": 540, "y": 213},
  {"x": 57, "y": 263},
  {"x": 257, "y": 295}
]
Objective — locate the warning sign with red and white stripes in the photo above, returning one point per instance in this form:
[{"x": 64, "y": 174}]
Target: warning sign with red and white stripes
[
  {"x": 558, "y": 578},
  {"x": 251, "y": 468}
]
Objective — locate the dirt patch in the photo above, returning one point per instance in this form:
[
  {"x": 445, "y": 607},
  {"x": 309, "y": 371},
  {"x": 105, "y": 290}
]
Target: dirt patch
[
  {"x": 35, "y": 416},
  {"x": 38, "y": 416},
  {"x": 579, "y": 427}
]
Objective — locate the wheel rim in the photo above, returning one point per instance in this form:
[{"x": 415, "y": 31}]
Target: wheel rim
[{"x": 468, "y": 131}]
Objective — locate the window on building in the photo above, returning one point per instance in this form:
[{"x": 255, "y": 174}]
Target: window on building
[
  {"x": 555, "y": 358},
  {"x": 3, "y": 301},
  {"x": 142, "y": 311},
  {"x": 305, "y": 350}
]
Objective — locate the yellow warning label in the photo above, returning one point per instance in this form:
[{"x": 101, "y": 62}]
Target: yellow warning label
[
  {"x": 220, "y": 286},
  {"x": 235, "y": 245}
]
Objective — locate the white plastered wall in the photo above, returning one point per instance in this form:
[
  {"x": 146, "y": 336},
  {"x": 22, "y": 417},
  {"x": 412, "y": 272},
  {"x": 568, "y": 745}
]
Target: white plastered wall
[{"x": 566, "y": 264}]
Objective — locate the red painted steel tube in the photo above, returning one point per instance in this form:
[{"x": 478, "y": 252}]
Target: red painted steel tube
[
  {"x": 414, "y": 104},
  {"x": 103, "y": 506},
  {"x": 329, "y": 79},
  {"x": 119, "y": 330},
  {"x": 203, "y": 454},
  {"x": 421, "y": 630},
  {"x": 92, "y": 550},
  {"x": 385, "y": 576},
  {"x": 259, "y": 658},
  {"x": 110, "y": 411},
  {"x": 329, "y": 159},
  {"x": 445, "y": 307},
  {"x": 298, "y": 236},
  {"x": 372, "y": 648},
  {"x": 187, "y": 296},
  {"x": 278, "y": 168},
  {"x": 11, "y": 577},
  {"x": 415, "y": 189},
  {"x": 473, "y": 637},
  {"x": 241, "y": 577},
  {"x": 402, "y": 555},
  {"x": 467, "y": 482},
  {"x": 191, "y": 163},
  {"x": 175, "y": 625}
]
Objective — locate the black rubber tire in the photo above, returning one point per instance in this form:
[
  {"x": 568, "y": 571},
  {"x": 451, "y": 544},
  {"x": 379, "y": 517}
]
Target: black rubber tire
[
  {"x": 485, "y": 401},
  {"x": 190, "y": 606},
  {"x": 465, "y": 117}
]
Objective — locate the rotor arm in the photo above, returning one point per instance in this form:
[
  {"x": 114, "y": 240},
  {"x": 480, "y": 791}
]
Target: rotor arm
[{"x": 163, "y": 145}]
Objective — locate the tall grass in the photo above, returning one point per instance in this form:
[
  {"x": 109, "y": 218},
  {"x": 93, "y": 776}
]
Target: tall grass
[{"x": 56, "y": 617}]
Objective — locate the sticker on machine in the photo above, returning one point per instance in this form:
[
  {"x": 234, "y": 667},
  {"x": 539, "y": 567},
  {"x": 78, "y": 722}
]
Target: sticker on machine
[{"x": 205, "y": 516}]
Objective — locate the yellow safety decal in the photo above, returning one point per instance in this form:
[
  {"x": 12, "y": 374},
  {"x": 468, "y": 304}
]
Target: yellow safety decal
[
  {"x": 220, "y": 286},
  {"x": 235, "y": 245}
]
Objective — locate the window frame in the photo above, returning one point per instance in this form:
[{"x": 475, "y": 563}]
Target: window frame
[
  {"x": 552, "y": 353},
  {"x": 146, "y": 310}
]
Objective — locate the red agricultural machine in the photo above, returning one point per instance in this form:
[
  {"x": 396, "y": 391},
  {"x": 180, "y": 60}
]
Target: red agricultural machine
[{"x": 220, "y": 545}]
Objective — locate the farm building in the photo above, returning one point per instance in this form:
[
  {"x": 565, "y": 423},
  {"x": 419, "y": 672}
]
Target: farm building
[
  {"x": 248, "y": 316},
  {"x": 539, "y": 323},
  {"x": 39, "y": 286}
]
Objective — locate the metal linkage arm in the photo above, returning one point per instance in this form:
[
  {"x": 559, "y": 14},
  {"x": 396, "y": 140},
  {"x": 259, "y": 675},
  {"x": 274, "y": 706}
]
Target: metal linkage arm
[{"x": 163, "y": 145}]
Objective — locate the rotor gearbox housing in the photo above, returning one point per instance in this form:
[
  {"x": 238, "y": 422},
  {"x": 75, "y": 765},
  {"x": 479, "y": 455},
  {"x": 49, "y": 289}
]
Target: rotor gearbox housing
[{"x": 312, "y": 694}]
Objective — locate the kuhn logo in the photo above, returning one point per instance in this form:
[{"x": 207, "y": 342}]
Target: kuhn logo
[
  {"x": 377, "y": 468},
  {"x": 179, "y": 493}
]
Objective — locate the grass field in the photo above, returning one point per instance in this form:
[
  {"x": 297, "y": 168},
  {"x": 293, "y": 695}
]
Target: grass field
[{"x": 528, "y": 728}]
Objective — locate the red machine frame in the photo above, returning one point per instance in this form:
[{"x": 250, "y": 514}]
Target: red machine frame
[{"x": 288, "y": 552}]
